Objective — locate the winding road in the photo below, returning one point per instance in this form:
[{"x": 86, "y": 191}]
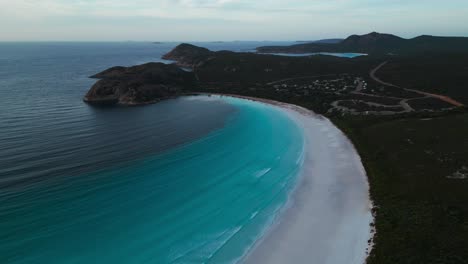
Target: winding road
[
  {"x": 437, "y": 96},
  {"x": 359, "y": 91}
]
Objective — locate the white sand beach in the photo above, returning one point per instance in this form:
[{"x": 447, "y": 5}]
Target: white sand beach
[{"x": 329, "y": 215}]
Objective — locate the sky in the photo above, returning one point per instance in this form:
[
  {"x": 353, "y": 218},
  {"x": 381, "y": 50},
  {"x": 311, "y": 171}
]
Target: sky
[{"x": 225, "y": 20}]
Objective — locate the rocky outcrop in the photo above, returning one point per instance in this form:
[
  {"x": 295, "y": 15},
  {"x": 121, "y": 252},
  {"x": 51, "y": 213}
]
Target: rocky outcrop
[{"x": 142, "y": 84}]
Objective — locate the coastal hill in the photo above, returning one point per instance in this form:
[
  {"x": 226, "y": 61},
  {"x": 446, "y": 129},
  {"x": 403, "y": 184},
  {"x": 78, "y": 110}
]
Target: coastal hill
[
  {"x": 378, "y": 43},
  {"x": 188, "y": 55},
  {"x": 140, "y": 84}
]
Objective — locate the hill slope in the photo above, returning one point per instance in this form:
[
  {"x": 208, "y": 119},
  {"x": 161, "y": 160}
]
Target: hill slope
[{"x": 377, "y": 43}]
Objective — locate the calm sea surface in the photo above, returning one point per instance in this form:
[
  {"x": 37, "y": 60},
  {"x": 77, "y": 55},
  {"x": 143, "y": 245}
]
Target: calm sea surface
[{"x": 189, "y": 180}]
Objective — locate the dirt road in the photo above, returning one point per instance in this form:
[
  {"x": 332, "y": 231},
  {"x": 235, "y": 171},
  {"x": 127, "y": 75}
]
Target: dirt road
[{"x": 437, "y": 96}]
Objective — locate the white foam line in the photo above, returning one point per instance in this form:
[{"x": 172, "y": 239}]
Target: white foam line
[{"x": 329, "y": 215}]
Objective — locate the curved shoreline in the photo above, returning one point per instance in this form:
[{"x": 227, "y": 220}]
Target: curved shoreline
[{"x": 328, "y": 220}]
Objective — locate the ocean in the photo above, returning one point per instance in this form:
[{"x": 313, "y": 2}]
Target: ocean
[{"x": 196, "y": 179}]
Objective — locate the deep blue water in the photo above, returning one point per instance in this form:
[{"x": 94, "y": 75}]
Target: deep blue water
[{"x": 189, "y": 180}]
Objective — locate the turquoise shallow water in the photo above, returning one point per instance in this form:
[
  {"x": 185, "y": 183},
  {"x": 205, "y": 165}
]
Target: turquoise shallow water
[{"x": 206, "y": 201}]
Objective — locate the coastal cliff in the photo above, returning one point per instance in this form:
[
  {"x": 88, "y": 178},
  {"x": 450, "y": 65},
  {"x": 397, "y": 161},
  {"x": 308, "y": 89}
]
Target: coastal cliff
[{"x": 142, "y": 84}]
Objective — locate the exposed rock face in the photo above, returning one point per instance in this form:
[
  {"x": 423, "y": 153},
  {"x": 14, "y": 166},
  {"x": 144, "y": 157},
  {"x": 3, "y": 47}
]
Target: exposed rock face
[
  {"x": 140, "y": 84},
  {"x": 187, "y": 55}
]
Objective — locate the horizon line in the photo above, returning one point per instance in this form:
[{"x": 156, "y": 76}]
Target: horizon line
[{"x": 250, "y": 40}]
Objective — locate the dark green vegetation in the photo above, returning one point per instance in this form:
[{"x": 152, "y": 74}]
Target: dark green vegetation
[
  {"x": 413, "y": 139},
  {"x": 428, "y": 103},
  {"x": 363, "y": 106},
  {"x": 376, "y": 43},
  {"x": 246, "y": 68},
  {"x": 435, "y": 73},
  {"x": 412, "y": 163}
]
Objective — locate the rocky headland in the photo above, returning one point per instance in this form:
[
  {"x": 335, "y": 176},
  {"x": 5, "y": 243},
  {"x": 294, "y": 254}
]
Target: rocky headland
[{"x": 142, "y": 84}]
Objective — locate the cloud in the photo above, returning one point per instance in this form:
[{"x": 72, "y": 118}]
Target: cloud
[
  {"x": 206, "y": 3},
  {"x": 234, "y": 19}
]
